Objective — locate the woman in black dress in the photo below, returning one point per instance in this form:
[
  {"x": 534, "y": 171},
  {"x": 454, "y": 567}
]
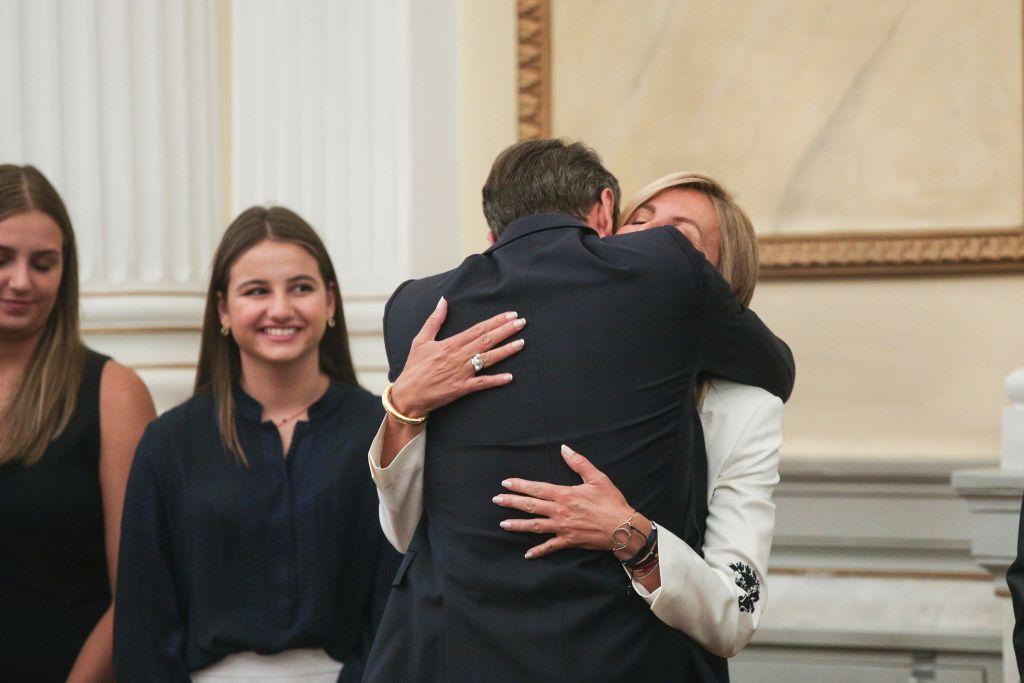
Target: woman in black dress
[
  {"x": 251, "y": 547},
  {"x": 69, "y": 422}
]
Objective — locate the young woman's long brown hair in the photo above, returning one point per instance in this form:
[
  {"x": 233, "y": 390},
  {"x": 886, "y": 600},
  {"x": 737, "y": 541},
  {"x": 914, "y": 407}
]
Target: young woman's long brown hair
[
  {"x": 220, "y": 365},
  {"x": 46, "y": 396}
]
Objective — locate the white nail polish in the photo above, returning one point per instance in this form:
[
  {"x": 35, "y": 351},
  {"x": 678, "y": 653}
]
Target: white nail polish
[
  {"x": 511, "y": 315},
  {"x": 519, "y": 323}
]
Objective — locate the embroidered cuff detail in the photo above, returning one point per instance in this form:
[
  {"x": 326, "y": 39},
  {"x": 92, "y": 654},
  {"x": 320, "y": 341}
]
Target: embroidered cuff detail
[{"x": 748, "y": 583}]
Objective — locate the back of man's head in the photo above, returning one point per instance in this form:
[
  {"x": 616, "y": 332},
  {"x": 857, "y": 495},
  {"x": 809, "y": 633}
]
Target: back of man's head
[{"x": 550, "y": 175}]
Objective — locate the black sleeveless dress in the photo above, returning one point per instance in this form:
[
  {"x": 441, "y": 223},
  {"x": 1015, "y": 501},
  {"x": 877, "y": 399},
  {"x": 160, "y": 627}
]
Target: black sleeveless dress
[{"x": 54, "y": 585}]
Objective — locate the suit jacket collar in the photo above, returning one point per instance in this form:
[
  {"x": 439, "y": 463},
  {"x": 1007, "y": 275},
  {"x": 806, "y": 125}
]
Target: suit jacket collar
[{"x": 536, "y": 223}]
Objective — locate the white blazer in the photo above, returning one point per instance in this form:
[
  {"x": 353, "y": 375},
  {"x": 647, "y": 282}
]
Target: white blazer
[{"x": 717, "y": 600}]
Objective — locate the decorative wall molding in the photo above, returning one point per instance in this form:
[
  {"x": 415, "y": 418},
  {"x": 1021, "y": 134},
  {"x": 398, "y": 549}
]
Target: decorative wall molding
[
  {"x": 159, "y": 336},
  {"x": 868, "y": 517},
  {"x": 871, "y": 578},
  {"x": 534, "y": 31},
  {"x": 902, "y": 253},
  {"x": 872, "y": 254}
]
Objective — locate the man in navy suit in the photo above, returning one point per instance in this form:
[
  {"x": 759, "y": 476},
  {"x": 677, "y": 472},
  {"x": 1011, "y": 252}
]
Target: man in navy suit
[{"x": 619, "y": 330}]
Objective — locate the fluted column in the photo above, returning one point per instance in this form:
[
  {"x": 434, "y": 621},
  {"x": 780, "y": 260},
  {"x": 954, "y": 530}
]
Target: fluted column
[
  {"x": 346, "y": 113},
  {"x": 157, "y": 119},
  {"x": 117, "y": 102}
]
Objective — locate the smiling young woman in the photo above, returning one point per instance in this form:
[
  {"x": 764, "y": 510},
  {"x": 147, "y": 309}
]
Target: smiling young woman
[
  {"x": 69, "y": 422},
  {"x": 250, "y": 520}
]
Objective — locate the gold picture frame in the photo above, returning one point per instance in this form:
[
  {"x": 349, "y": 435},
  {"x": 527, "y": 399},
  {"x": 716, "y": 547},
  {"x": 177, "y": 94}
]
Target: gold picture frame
[{"x": 854, "y": 254}]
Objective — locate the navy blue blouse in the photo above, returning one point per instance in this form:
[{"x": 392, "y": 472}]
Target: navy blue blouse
[{"x": 217, "y": 558}]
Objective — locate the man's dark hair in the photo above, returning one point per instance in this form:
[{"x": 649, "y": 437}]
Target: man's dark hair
[{"x": 550, "y": 175}]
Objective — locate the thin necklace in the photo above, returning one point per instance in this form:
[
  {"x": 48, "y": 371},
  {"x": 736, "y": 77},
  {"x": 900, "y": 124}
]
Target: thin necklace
[{"x": 281, "y": 422}]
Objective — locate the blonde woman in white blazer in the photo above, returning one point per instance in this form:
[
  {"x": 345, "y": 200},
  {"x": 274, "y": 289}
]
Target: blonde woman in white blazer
[{"x": 716, "y": 599}]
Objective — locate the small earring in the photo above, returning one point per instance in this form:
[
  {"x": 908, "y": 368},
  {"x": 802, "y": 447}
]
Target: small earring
[
  {"x": 225, "y": 330},
  {"x": 330, "y": 322}
]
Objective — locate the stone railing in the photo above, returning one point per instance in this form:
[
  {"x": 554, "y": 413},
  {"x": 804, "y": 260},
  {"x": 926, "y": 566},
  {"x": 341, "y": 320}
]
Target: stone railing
[{"x": 994, "y": 498}]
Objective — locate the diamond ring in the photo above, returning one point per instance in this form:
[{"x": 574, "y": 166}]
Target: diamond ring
[{"x": 477, "y": 361}]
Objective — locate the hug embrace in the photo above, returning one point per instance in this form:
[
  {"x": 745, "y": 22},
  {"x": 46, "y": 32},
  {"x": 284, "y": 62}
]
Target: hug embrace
[
  {"x": 573, "y": 460},
  {"x": 629, "y": 348}
]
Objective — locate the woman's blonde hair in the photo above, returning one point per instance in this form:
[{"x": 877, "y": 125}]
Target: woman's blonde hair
[
  {"x": 737, "y": 258},
  {"x": 47, "y": 395},
  {"x": 220, "y": 365}
]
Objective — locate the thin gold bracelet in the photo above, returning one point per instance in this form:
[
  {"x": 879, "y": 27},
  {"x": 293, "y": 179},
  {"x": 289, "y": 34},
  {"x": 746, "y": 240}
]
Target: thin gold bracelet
[
  {"x": 626, "y": 528},
  {"x": 390, "y": 409}
]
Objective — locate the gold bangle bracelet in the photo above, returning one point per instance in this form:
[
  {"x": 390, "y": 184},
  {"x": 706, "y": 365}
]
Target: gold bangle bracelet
[{"x": 390, "y": 409}]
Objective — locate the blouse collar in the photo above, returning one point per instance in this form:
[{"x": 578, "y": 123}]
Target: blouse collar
[{"x": 249, "y": 408}]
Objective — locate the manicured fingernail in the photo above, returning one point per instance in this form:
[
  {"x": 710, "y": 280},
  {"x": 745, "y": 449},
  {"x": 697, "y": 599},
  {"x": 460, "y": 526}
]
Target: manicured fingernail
[
  {"x": 566, "y": 451},
  {"x": 440, "y": 301},
  {"x": 496, "y": 499},
  {"x": 529, "y": 555},
  {"x": 506, "y": 524},
  {"x": 519, "y": 324},
  {"x": 520, "y": 343},
  {"x": 507, "y": 377},
  {"x": 511, "y": 315},
  {"x": 507, "y": 483}
]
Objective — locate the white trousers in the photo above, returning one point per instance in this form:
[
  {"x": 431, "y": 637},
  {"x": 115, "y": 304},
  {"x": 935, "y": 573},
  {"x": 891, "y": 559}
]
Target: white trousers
[{"x": 291, "y": 666}]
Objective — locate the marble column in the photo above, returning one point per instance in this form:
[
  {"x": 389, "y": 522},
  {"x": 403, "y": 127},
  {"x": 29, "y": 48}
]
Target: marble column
[
  {"x": 346, "y": 113},
  {"x": 116, "y": 101},
  {"x": 158, "y": 120}
]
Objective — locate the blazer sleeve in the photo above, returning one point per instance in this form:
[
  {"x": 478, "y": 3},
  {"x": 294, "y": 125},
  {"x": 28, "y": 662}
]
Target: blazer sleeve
[
  {"x": 737, "y": 345},
  {"x": 149, "y": 623},
  {"x": 1015, "y": 581},
  {"x": 399, "y": 488},
  {"x": 717, "y": 600}
]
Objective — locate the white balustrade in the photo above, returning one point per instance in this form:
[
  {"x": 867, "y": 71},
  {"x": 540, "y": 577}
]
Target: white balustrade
[
  {"x": 1013, "y": 422},
  {"x": 994, "y": 499}
]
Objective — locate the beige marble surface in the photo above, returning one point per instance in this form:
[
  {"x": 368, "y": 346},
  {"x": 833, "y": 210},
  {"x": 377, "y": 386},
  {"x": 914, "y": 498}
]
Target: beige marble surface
[
  {"x": 887, "y": 368},
  {"x": 897, "y": 368},
  {"x": 823, "y": 115},
  {"x": 487, "y": 101}
]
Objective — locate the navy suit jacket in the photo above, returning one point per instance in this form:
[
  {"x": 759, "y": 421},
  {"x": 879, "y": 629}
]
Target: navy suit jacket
[
  {"x": 617, "y": 332},
  {"x": 1015, "y": 581}
]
